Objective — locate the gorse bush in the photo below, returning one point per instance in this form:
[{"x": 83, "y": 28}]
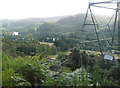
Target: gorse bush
[
  {"x": 27, "y": 69},
  {"x": 40, "y": 70},
  {"x": 79, "y": 77},
  {"x": 10, "y": 78}
]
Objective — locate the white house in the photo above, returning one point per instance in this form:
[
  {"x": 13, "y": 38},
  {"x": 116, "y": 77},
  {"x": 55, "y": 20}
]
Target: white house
[{"x": 15, "y": 33}]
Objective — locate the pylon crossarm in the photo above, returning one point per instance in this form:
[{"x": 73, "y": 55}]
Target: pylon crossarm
[
  {"x": 107, "y": 2},
  {"x": 104, "y": 7}
]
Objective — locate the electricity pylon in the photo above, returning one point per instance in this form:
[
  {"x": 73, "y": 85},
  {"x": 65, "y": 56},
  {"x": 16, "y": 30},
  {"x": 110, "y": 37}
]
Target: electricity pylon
[{"x": 95, "y": 24}]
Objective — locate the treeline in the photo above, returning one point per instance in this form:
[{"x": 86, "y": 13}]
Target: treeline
[{"x": 18, "y": 46}]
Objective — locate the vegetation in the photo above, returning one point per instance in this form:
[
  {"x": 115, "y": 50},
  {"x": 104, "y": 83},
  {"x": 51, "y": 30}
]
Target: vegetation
[
  {"x": 48, "y": 56},
  {"x": 42, "y": 71}
]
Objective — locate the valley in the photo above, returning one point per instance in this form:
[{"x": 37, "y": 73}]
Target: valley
[{"x": 57, "y": 52}]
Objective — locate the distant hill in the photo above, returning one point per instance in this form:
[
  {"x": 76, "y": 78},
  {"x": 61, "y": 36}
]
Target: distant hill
[
  {"x": 63, "y": 25},
  {"x": 70, "y": 24},
  {"x": 72, "y": 20},
  {"x": 25, "y": 24}
]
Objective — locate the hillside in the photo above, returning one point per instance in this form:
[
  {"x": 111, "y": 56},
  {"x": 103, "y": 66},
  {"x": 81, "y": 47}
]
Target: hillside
[
  {"x": 52, "y": 52},
  {"x": 25, "y": 24},
  {"x": 71, "y": 24}
]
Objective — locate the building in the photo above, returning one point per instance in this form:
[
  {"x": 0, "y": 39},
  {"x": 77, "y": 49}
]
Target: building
[{"x": 15, "y": 33}]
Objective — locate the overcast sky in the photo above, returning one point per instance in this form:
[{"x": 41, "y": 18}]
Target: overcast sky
[{"x": 19, "y": 9}]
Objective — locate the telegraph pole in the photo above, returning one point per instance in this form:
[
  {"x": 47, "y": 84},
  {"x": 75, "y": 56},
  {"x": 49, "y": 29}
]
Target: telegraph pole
[{"x": 118, "y": 6}]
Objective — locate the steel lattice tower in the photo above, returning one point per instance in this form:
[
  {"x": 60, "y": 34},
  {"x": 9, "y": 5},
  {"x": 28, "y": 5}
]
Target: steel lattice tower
[{"x": 96, "y": 25}]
